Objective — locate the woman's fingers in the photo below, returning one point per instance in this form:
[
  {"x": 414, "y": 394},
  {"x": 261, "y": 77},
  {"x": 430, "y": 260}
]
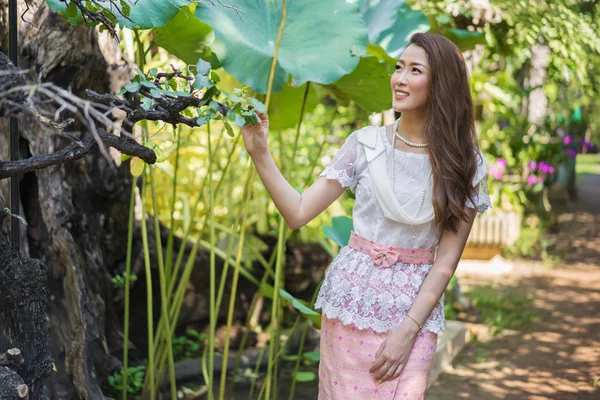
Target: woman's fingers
[
  {"x": 398, "y": 371},
  {"x": 377, "y": 363}
]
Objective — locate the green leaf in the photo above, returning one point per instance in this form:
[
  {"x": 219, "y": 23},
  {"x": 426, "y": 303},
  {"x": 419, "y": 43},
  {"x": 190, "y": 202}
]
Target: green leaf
[
  {"x": 340, "y": 230},
  {"x": 137, "y": 166},
  {"x": 146, "y": 14},
  {"x": 185, "y": 36},
  {"x": 132, "y": 87},
  {"x": 395, "y": 39},
  {"x": 313, "y": 356},
  {"x": 284, "y": 109},
  {"x": 379, "y": 15},
  {"x": 464, "y": 39},
  {"x": 312, "y": 48},
  {"x": 147, "y": 103},
  {"x": 236, "y": 118},
  {"x": 215, "y": 77},
  {"x": 202, "y": 82},
  {"x": 391, "y": 24},
  {"x": 258, "y": 105},
  {"x": 266, "y": 290},
  {"x": 368, "y": 85},
  {"x": 378, "y": 51},
  {"x": 307, "y": 312},
  {"x": 72, "y": 10},
  {"x": 66, "y": 11},
  {"x": 155, "y": 93},
  {"x": 202, "y": 67},
  {"x": 229, "y": 129},
  {"x": 305, "y": 376}
]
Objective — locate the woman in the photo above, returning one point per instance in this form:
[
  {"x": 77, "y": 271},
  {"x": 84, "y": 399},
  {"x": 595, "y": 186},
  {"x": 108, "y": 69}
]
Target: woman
[{"x": 419, "y": 183}]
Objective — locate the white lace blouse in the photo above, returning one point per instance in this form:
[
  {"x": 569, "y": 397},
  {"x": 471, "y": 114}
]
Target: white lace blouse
[{"x": 355, "y": 290}]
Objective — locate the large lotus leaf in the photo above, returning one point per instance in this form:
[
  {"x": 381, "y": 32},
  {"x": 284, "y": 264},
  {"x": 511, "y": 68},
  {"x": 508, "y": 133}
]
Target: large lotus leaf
[
  {"x": 368, "y": 85},
  {"x": 144, "y": 14},
  {"x": 382, "y": 55},
  {"x": 185, "y": 36},
  {"x": 379, "y": 15},
  {"x": 320, "y": 42},
  {"x": 465, "y": 40},
  {"x": 395, "y": 38},
  {"x": 340, "y": 230},
  {"x": 284, "y": 110}
]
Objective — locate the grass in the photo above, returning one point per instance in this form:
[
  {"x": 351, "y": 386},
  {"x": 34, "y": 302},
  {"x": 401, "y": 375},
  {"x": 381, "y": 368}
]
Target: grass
[
  {"x": 588, "y": 164},
  {"x": 503, "y": 308}
]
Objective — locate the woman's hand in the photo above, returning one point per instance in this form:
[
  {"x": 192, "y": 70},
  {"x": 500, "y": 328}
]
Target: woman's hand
[
  {"x": 393, "y": 353},
  {"x": 255, "y": 135}
]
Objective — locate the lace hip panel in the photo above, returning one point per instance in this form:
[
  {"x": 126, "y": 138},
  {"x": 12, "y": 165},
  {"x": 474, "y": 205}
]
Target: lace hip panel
[{"x": 358, "y": 292}]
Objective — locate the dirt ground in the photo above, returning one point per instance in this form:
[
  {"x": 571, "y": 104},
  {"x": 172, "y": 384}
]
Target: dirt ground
[{"x": 560, "y": 358}]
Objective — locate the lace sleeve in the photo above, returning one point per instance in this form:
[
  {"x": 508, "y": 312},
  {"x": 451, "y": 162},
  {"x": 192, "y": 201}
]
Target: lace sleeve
[
  {"x": 343, "y": 166},
  {"x": 482, "y": 197}
]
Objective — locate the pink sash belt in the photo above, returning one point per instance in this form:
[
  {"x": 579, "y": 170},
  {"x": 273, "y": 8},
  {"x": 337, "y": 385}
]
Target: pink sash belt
[{"x": 386, "y": 256}]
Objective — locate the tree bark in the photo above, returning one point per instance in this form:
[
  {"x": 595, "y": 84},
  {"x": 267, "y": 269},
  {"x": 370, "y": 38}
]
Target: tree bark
[
  {"x": 23, "y": 323},
  {"x": 76, "y": 212}
]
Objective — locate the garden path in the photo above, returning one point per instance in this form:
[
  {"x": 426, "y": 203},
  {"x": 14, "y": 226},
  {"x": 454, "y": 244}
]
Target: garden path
[{"x": 559, "y": 358}]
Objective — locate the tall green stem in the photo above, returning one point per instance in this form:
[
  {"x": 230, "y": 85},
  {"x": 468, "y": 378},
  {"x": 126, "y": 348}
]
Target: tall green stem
[
  {"x": 150, "y": 370},
  {"x": 169, "y": 255},
  {"x": 127, "y": 288},
  {"x": 213, "y": 311},
  {"x": 163, "y": 287}
]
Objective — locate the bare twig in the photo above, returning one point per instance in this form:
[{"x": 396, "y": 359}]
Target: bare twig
[{"x": 237, "y": 10}]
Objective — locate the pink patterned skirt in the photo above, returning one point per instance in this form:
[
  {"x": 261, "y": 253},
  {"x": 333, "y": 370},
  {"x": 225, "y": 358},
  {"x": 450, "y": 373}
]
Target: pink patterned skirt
[{"x": 346, "y": 356}]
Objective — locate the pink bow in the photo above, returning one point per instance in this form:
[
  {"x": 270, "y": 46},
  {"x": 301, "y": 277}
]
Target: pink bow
[{"x": 384, "y": 256}]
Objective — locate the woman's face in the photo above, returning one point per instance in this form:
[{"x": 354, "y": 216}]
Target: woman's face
[{"x": 410, "y": 80}]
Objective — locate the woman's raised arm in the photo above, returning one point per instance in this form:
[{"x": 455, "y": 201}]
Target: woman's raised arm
[{"x": 297, "y": 209}]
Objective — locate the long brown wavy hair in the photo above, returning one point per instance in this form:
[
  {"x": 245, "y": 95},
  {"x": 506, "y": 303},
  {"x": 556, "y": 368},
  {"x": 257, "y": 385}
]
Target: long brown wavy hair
[{"x": 450, "y": 129}]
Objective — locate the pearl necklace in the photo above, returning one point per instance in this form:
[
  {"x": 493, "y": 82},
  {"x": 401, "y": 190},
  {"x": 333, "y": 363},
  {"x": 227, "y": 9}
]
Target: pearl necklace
[
  {"x": 408, "y": 142},
  {"x": 422, "y": 197}
]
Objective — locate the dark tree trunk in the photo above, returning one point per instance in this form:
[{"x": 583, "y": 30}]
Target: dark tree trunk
[
  {"x": 23, "y": 322},
  {"x": 76, "y": 215}
]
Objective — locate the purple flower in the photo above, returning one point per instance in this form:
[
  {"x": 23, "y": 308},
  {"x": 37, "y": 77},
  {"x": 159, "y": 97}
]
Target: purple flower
[
  {"x": 572, "y": 153},
  {"x": 531, "y": 180},
  {"x": 496, "y": 172},
  {"x": 532, "y": 165},
  {"x": 501, "y": 162},
  {"x": 544, "y": 167},
  {"x": 567, "y": 140},
  {"x": 588, "y": 145},
  {"x": 551, "y": 169}
]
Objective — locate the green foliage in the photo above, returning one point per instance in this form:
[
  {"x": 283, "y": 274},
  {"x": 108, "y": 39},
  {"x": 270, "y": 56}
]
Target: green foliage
[
  {"x": 185, "y": 36},
  {"x": 68, "y": 11},
  {"x": 503, "y": 309},
  {"x": 340, "y": 230},
  {"x": 305, "y": 376},
  {"x": 391, "y": 23},
  {"x": 368, "y": 86},
  {"x": 588, "y": 164},
  {"x": 145, "y": 14},
  {"x": 301, "y": 306},
  {"x": 133, "y": 384},
  {"x": 189, "y": 345},
  {"x": 303, "y": 53},
  {"x": 120, "y": 280}
]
